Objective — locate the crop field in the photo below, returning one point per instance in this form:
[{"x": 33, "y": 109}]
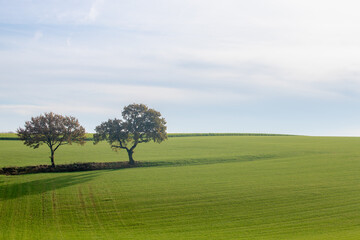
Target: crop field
[{"x": 204, "y": 187}]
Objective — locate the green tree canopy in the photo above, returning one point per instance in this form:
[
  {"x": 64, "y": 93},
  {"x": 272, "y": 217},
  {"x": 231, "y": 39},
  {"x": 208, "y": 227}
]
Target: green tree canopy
[
  {"x": 140, "y": 124},
  {"x": 52, "y": 129}
]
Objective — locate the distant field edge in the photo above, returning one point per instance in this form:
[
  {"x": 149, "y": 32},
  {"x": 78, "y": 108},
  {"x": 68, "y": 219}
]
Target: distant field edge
[
  {"x": 223, "y": 134},
  {"x": 13, "y": 136}
]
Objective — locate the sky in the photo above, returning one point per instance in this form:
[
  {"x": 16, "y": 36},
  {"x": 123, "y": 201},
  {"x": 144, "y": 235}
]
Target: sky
[{"x": 280, "y": 66}]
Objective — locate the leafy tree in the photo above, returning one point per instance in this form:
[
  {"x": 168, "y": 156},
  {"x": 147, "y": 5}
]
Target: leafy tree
[
  {"x": 52, "y": 129},
  {"x": 140, "y": 124}
]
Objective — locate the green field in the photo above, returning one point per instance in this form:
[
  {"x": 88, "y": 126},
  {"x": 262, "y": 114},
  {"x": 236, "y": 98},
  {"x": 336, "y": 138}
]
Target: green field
[{"x": 208, "y": 187}]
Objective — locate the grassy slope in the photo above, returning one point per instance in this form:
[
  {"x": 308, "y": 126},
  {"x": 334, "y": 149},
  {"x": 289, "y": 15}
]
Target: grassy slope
[
  {"x": 179, "y": 150},
  {"x": 239, "y": 188}
]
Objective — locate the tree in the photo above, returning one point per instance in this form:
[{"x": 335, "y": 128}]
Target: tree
[
  {"x": 140, "y": 124},
  {"x": 52, "y": 129}
]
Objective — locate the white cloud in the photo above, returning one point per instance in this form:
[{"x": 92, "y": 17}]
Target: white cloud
[
  {"x": 138, "y": 93},
  {"x": 94, "y": 11},
  {"x": 55, "y": 107},
  {"x": 68, "y": 41},
  {"x": 180, "y": 51},
  {"x": 38, "y": 35}
]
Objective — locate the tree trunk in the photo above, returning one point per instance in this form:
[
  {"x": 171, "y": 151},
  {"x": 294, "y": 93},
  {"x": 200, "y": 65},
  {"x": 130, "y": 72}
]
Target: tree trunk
[
  {"x": 131, "y": 160},
  {"x": 52, "y": 158}
]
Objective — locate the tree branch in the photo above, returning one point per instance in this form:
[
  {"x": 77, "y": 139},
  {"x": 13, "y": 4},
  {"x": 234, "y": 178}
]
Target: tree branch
[{"x": 115, "y": 146}]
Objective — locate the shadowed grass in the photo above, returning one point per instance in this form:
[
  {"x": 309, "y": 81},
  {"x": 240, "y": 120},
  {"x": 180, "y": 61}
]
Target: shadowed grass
[
  {"x": 204, "y": 161},
  {"x": 40, "y": 186}
]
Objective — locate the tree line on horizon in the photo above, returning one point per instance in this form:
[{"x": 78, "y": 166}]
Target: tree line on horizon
[{"x": 139, "y": 124}]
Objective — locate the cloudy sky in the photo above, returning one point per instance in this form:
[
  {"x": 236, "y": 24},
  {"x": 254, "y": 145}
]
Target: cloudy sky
[{"x": 275, "y": 66}]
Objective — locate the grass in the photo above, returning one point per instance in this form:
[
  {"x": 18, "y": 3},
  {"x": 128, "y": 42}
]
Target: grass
[{"x": 223, "y": 187}]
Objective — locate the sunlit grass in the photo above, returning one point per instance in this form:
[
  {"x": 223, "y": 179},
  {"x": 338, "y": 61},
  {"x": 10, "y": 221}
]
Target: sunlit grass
[{"x": 229, "y": 187}]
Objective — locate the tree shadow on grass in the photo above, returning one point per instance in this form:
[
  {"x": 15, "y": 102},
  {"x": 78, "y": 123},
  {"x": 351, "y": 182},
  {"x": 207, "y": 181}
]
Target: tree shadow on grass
[
  {"x": 206, "y": 161},
  {"x": 39, "y": 186}
]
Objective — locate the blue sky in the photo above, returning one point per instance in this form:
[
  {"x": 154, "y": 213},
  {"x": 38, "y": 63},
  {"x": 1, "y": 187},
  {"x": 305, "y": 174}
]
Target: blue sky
[{"x": 208, "y": 66}]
